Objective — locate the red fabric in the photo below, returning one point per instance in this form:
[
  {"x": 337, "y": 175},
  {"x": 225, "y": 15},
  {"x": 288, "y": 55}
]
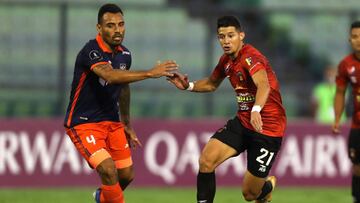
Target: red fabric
[
  {"x": 239, "y": 72},
  {"x": 349, "y": 73},
  {"x": 111, "y": 194}
]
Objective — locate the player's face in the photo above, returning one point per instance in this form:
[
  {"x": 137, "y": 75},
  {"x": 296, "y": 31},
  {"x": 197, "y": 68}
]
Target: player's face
[
  {"x": 112, "y": 28},
  {"x": 355, "y": 39},
  {"x": 231, "y": 40}
]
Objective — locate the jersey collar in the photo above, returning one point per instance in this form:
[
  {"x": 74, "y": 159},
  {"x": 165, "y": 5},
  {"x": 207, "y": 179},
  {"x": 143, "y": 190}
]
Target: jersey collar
[{"x": 103, "y": 47}]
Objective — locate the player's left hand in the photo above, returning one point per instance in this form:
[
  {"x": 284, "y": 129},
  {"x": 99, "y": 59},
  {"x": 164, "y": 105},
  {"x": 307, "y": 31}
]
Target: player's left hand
[
  {"x": 131, "y": 137},
  {"x": 256, "y": 121}
]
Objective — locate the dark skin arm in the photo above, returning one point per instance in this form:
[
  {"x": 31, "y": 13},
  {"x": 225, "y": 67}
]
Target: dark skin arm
[
  {"x": 124, "y": 106},
  {"x": 116, "y": 76}
]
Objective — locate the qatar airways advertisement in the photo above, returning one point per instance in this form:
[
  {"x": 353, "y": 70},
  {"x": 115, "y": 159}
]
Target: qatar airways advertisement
[{"x": 38, "y": 153}]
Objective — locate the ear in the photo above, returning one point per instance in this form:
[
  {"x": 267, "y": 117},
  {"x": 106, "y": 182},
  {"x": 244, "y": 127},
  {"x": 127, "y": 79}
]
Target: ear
[
  {"x": 242, "y": 35},
  {"x": 98, "y": 27}
]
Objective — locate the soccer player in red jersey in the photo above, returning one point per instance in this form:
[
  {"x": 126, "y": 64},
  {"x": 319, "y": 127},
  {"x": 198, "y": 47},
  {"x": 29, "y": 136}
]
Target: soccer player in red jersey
[
  {"x": 100, "y": 97},
  {"x": 349, "y": 73},
  {"x": 259, "y": 125}
]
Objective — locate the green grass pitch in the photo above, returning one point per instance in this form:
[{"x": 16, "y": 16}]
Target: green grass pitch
[{"x": 174, "y": 195}]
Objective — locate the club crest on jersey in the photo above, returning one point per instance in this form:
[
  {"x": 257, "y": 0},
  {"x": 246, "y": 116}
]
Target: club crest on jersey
[
  {"x": 248, "y": 61},
  {"x": 95, "y": 55},
  {"x": 240, "y": 76},
  {"x": 122, "y": 66}
]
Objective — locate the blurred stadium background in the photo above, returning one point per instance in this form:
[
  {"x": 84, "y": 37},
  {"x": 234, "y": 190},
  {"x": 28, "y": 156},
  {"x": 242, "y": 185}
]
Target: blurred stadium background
[{"x": 40, "y": 39}]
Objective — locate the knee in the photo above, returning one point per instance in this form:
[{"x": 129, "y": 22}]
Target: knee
[
  {"x": 249, "y": 195},
  {"x": 107, "y": 171},
  {"x": 206, "y": 164},
  {"x": 127, "y": 177}
]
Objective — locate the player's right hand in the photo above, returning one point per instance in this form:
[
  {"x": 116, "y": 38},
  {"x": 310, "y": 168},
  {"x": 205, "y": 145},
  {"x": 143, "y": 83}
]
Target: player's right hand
[
  {"x": 181, "y": 81},
  {"x": 165, "y": 68},
  {"x": 335, "y": 128}
]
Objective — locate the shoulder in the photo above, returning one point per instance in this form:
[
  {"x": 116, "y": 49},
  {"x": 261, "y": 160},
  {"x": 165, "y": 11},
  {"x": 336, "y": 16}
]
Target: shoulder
[
  {"x": 91, "y": 48},
  {"x": 345, "y": 61},
  {"x": 251, "y": 56},
  {"x": 91, "y": 51},
  {"x": 125, "y": 50}
]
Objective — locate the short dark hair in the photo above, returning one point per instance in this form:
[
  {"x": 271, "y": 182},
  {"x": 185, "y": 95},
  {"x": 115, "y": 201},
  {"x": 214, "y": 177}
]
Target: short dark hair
[
  {"x": 226, "y": 21},
  {"x": 355, "y": 24},
  {"x": 108, "y": 8}
]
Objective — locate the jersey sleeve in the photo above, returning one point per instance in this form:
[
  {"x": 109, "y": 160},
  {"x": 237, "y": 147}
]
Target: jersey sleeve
[
  {"x": 341, "y": 77},
  {"x": 252, "y": 63},
  {"x": 93, "y": 56},
  {"x": 218, "y": 72}
]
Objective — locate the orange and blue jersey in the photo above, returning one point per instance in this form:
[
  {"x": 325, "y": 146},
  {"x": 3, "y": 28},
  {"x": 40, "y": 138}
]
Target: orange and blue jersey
[{"x": 92, "y": 99}]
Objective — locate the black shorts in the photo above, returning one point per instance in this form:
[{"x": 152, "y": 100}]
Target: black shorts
[
  {"x": 261, "y": 149},
  {"x": 354, "y": 146}
]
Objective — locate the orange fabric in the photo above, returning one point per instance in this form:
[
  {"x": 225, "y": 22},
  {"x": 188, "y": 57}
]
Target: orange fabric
[
  {"x": 111, "y": 194},
  {"x": 97, "y": 157},
  {"x": 98, "y": 63},
  {"x": 90, "y": 138},
  {"x": 77, "y": 93},
  {"x": 124, "y": 163}
]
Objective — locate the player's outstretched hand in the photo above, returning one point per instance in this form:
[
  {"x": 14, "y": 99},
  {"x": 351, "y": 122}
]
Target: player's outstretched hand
[
  {"x": 165, "y": 68},
  {"x": 181, "y": 81},
  {"x": 131, "y": 137},
  {"x": 335, "y": 128}
]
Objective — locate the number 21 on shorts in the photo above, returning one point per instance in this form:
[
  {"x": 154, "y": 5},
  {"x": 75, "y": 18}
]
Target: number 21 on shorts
[{"x": 262, "y": 158}]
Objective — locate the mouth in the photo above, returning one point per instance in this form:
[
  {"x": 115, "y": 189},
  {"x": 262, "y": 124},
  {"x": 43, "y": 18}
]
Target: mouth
[
  {"x": 227, "y": 48},
  {"x": 117, "y": 38}
]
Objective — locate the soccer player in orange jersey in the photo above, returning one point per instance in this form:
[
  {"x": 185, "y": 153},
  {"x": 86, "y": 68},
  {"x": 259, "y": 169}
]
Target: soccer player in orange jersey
[
  {"x": 100, "y": 97},
  {"x": 259, "y": 125},
  {"x": 349, "y": 73}
]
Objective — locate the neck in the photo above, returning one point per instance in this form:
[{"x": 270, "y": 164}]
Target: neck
[
  {"x": 357, "y": 55},
  {"x": 233, "y": 56},
  {"x": 112, "y": 48}
]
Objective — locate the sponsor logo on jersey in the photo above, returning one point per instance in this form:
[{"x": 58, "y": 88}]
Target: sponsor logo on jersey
[
  {"x": 245, "y": 98},
  {"x": 262, "y": 168},
  {"x": 227, "y": 67},
  {"x": 126, "y": 53}
]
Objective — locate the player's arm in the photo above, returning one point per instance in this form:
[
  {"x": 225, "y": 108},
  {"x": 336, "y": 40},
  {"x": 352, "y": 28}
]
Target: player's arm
[
  {"x": 208, "y": 84},
  {"x": 116, "y": 76},
  {"x": 263, "y": 89},
  {"x": 339, "y": 104},
  {"x": 124, "y": 107}
]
